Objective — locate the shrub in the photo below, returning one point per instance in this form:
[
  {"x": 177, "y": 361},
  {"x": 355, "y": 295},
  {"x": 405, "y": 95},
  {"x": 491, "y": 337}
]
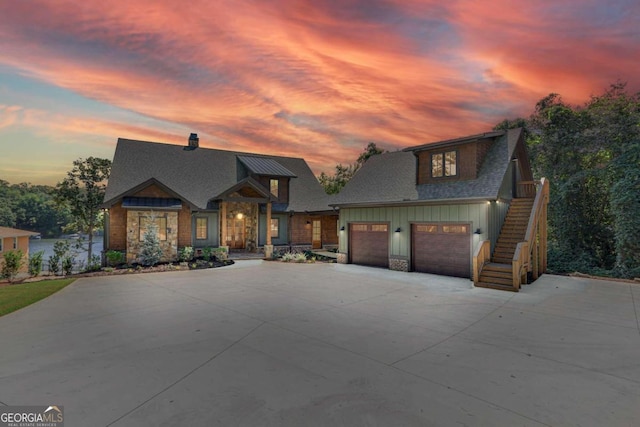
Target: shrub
[
  {"x": 93, "y": 264},
  {"x": 287, "y": 257},
  {"x": 60, "y": 252},
  {"x": 114, "y": 258},
  {"x": 67, "y": 264},
  {"x": 35, "y": 263},
  {"x": 300, "y": 257},
  {"x": 12, "y": 261},
  {"x": 221, "y": 254},
  {"x": 185, "y": 254},
  {"x": 207, "y": 253},
  {"x": 151, "y": 253},
  {"x": 54, "y": 264}
]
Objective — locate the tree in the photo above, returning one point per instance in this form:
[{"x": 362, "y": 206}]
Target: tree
[
  {"x": 332, "y": 184},
  {"x": 150, "y": 250},
  {"x": 82, "y": 191},
  {"x": 591, "y": 154},
  {"x": 11, "y": 263}
]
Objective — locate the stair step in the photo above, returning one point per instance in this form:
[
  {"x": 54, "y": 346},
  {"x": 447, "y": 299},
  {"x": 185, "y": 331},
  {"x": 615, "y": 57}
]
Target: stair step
[
  {"x": 496, "y": 277},
  {"x": 499, "y": 267},
  {"x": 502, "y": 260},
  {"x": 496, "y": 286}
]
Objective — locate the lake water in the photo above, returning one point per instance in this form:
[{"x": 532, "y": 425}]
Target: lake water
[{"x": 46, "y": 245}]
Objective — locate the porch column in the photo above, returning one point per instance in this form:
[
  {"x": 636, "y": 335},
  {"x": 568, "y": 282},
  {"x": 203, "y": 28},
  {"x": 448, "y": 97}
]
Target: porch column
[
  {"x": 223, "y": 224},
  {"x": 268, "y": 247},
  {"x": 268, "y": 223}
]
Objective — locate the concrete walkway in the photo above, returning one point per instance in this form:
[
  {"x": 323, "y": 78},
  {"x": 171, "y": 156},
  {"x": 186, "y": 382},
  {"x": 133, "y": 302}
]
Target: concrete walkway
[{"x": 267, "y": 343}]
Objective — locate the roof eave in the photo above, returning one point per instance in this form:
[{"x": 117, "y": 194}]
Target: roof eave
[
  {"x": 452, "y": 142},
  {"x": 415, "y": 202}
]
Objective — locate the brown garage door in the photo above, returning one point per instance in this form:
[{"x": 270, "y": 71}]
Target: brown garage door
[
  {"x": 441, "y": 249},
  {"x": 369, "y": 244}
]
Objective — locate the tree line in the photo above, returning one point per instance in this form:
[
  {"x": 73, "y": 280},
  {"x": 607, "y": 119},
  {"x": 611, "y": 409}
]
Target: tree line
[{"x": 33, "y": 208}]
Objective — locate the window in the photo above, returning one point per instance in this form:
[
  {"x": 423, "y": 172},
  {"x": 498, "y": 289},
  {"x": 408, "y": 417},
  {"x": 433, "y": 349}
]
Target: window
[
  {"x": 426, "y": 228},
  {"x": 160, "y": 222},
  {"x": 1, "y": 239},
  {"x": 444, "y": 164},
  {"x": 273, "y": 185},
  {"x": 379, "y": 227},
  {"x": 458, "y": 229},
  {"x": 275, "y": 227},
  {"x": 15, "y": 243},
  {"x": 359, "y": 227},
  {"x": 201, "y": 228}
]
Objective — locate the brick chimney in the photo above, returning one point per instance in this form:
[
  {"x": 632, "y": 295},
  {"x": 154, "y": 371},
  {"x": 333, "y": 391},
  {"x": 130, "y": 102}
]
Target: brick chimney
[{"x": 194, "y": 140}]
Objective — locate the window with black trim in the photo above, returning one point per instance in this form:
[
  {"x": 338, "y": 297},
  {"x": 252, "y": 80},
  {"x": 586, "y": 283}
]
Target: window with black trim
[
  {"x": 444, "y": 164},
  {"x": 15, "y": 243},
  {"x": 1, "y": 240},
  {"x": 273, "y": 186},
  {"x": 201, "y": 228},
  {"x": 161, "y": 225},
  {"x": 275, "y": 227}
]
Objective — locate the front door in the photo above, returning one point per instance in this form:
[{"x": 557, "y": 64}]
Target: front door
[
  {"x": 235, "y": 233},
  {"x": 316, "y": 239}
]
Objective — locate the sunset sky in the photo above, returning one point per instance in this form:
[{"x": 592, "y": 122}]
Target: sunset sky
[{"x": 314, "y": 79}]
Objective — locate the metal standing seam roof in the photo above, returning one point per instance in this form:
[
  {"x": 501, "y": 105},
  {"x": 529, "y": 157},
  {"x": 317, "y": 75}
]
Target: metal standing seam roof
[
  {"x": 151, "y": 202},
  {"x": 265, "y": 166}
]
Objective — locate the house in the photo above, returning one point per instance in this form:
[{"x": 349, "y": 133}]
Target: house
[
  {"x": 466, "y": 207},
  {"x": 203, "y": 197},
  {"x": 12, "y": 239}
]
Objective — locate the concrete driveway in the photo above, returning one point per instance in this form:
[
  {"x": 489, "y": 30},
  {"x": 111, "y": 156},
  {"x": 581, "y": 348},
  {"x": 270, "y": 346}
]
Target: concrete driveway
[{"x": 265, "y": 343}]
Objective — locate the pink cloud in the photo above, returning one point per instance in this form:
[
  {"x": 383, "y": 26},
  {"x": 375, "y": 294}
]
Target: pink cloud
[{"x": 313, "y": 79}]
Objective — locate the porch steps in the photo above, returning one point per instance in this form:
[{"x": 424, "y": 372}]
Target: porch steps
[{"x": 497, "y": 273}]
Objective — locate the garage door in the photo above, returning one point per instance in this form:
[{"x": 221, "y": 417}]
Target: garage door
[
  {"x": 369, "y": 244},
  {"x": 441, "y": 249}
]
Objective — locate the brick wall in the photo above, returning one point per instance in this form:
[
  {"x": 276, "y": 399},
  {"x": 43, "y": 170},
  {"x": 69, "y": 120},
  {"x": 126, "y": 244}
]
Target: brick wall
[
  {"x": 118, "y": 228},
  {"x": 184, "y": 227}
]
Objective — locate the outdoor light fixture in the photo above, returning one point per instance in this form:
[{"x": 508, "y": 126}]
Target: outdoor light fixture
[
  {"x": 477, "y": 231},
  {"x": 240, "y": 215},
  {"x": 308, "y": 222},
  {"x": 342, "y": 228},
  {"x": 398, "y": 230}
]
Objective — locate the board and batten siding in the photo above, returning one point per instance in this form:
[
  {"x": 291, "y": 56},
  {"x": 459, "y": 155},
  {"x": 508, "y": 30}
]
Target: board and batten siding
[{"x": 403, "y": 216}]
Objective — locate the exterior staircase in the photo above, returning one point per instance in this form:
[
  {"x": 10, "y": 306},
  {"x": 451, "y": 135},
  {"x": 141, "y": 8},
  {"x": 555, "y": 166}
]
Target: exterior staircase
[{"x": 497, "y": 273}]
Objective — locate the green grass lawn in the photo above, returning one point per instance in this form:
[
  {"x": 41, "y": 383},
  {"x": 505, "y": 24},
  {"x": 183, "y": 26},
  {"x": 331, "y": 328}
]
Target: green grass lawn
[{"x": 14, "y": 297}]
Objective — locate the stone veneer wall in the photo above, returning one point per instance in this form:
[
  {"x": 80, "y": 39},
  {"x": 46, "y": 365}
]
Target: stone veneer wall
[
  {"x": 169, "y": 247},
  {"x": 342, "y": 258},
  {"x": 399, "y": 264}
]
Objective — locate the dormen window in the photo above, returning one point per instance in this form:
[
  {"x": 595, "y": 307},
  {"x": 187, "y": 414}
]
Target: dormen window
[
  {"x": 273, "y": 184},
  {"x": 444, "y": 164}
]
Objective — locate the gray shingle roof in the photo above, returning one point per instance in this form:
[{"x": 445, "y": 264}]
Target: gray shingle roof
[
  {"x": 391, "y": 177},
  {"x": 200, "y": 174}
]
